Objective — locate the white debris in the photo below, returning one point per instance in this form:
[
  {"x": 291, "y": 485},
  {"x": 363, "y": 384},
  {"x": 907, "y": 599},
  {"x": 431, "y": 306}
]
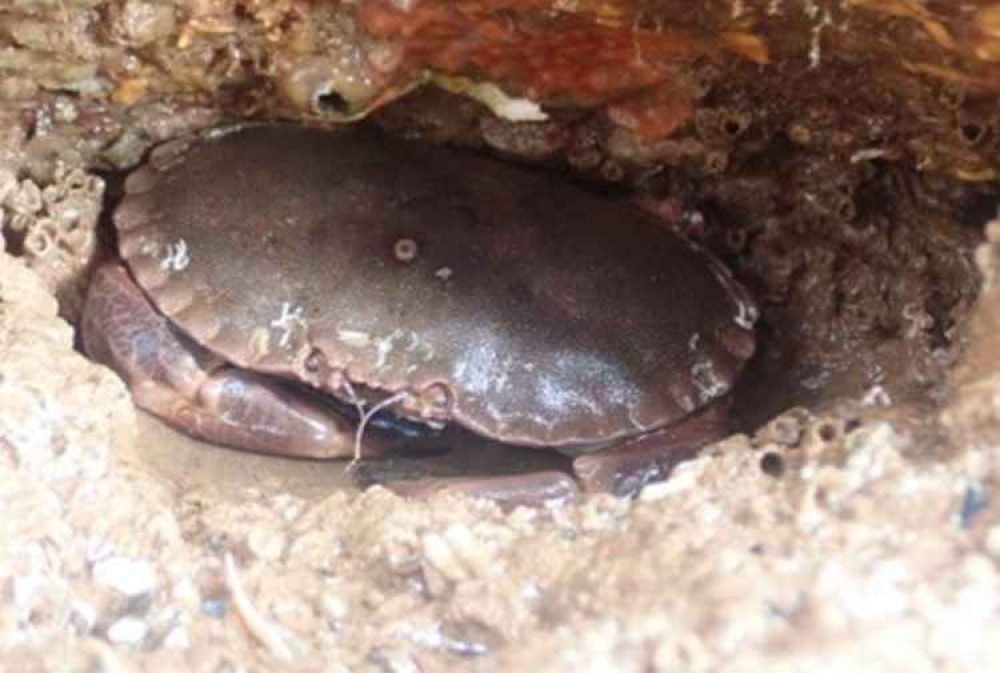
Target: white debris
[
  {"x": 502, "y": 105},
  {"x": 128, "y": 631},
  {"x": 746, "y": 315},
  {"x": 877, "y": 396},
  {"x": 289, "y": 319},
  {"x": 354, "y": 338},
  {"x": 384, "y": 346},
  {"x": 493, "y": 97},
  {"x": 708, "y": 382},
  {"x": 127, "y": 576},
  {"x": 816, "y": 47},
  {"x": 993, "y": 541},
  {"x": 82, "y": 616},
  {"x": 178, "y": 639},
  {"x": 266, "y": 543},
  {"x": 680, "y": 480},
  {"x": 868, "y": 154},
  {"x": 442, "y": 557},
  {"x": 177, "y": 258}
]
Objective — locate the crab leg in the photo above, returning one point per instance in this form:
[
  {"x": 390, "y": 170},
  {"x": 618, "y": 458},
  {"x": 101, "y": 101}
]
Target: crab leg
[
  {"x": 195, "y": 391},
  {"x": 534, "y": 489},
  {"x": 625, "y": 468},
  {"x": 509, "y": 475},
  {"x": 622, "y": 469}
]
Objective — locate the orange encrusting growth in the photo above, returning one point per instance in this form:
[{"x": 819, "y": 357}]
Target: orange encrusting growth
[{"x": 587, "y": 58}]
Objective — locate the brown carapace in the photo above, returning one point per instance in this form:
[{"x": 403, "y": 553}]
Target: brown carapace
[{"x": 441, "y": 287}]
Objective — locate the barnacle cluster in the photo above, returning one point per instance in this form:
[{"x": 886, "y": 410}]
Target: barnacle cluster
[{"x": 54, "y": 228}]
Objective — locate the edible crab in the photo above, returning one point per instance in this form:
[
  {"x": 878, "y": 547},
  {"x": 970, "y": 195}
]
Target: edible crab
[{"x": 276, "y": 276}]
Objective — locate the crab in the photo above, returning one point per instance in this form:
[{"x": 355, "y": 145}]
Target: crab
[{"x": 341, "y": 294}]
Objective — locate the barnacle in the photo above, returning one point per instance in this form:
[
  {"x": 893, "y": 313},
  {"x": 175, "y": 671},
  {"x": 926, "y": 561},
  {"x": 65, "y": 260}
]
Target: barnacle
[
  {"x": 824, "y": 435},
  {"x": 342, "y": 86}
]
